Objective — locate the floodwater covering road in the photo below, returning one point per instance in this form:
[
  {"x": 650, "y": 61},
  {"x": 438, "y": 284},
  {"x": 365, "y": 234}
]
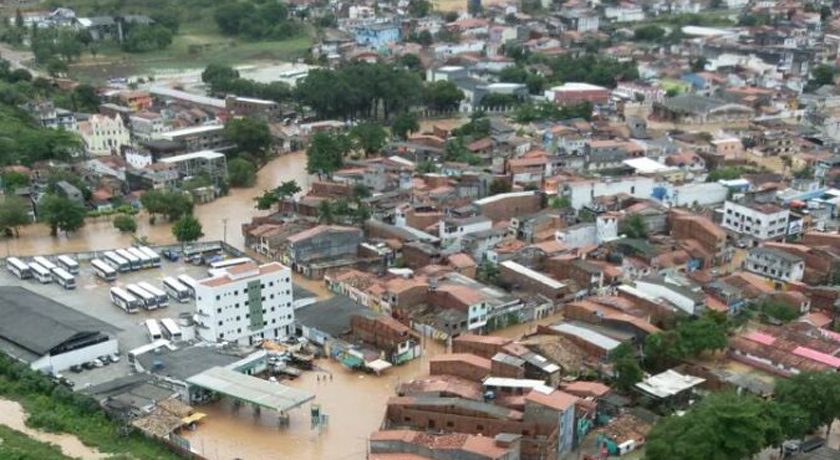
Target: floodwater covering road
[
  {"x": 221, "y": 219},
  {"x": 354, "y": 402}
]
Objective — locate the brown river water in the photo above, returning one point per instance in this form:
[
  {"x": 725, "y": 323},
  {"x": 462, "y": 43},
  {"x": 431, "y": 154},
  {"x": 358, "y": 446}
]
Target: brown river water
[{"x": 13, "y": 416}]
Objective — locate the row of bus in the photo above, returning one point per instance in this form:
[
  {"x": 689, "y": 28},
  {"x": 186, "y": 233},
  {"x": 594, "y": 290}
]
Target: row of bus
[
  {"x": 123, "y": 260},
  {"x": 132, "y": 259},
  {"x": 166, "y": 328},
  {"x": 46, "y": 271},
  {"x": 145, "y": 296}
]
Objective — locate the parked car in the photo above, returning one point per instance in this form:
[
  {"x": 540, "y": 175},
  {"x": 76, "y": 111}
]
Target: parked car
[
  {"x": 171, "y": 255},
  {"x": 76, "y": 369},
  {"x": 89, "y": 365},
  {"x": 115, "y": 358},
  {"x": 98, "y": 363}
]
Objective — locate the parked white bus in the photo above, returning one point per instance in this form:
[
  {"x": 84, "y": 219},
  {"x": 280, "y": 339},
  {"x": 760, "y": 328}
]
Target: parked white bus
[
  {"x": 64, "y": 278},
  {"x": 189, "y": 283},
  {"x": 69, "y": 264},
  {"x": 118, "y": 263},
  {"x": 44, "y": 262},
  {"x": 229, "y": 263},
  {"x": 40, "y": 273},
  {"x": 176, "y": 289},
  {"x": 125, "y": 300},
  {"x": 153, "y": 329},
  {"x": 148, "y": 301},
  {"x": 171, "y": 329},
  {"x": 103, "y": 270},
  {"x": 18, "y": 267},
  {"x": 145, "y": 260},
  {"x": 152, "y": 254},
  {"x": 161, "y": 299},
  {"x": 132, "y": 260}
]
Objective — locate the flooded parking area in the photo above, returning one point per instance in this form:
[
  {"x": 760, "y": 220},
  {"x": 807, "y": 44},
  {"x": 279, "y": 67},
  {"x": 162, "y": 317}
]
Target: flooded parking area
[{"x": 354, "y": 403}]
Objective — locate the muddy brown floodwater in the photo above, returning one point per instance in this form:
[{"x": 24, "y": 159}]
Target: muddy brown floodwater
[
  {"x": 354, "y": 402},
  {"x": 13, "y": 416},
  {"x": 222, "y": 219}
]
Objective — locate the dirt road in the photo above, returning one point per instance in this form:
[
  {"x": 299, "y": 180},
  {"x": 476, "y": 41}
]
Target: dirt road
[{"x": 19, "y": 59}]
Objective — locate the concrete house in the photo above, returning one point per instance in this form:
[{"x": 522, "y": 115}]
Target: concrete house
[{"x": 776, "y": 264}]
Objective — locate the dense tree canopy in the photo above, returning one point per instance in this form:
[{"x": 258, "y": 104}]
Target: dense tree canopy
[
  {"x": 256, "y": 20},
  {"x": 325, "y": 153},
  {"x": 251, "y": 136},
  {"x": 360, "y": 90},
  {"x": 724, "y": 426},
  {"x": 61, "y": 213}
]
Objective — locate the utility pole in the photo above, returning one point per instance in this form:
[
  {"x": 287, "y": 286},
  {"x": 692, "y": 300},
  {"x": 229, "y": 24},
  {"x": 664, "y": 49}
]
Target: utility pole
[{"x": 224, "y": 230}]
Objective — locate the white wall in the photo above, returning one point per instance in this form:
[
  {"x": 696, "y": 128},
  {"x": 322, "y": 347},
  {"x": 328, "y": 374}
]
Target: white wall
[{"x": 64, "y": 361}]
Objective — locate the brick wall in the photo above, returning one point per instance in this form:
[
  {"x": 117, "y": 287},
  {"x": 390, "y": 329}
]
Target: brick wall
[
  {"x": 509, "y": 207},
  {"x": 484, "y": 346},
  {"x": 528, "y": 284},
  {"x": 466, "y": 366}
]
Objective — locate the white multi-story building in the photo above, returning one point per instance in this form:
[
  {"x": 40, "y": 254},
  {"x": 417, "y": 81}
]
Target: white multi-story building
[
  {"x": 760, "y": 221},
  {"x": 776, "y": 264},
  {"x": 245, "y": 304},
  {"x": 582, "y": 192},
  {"x": 103, "y": 135}
]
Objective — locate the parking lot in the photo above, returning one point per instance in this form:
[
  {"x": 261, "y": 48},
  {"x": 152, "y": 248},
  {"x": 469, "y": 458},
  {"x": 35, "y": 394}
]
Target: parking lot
[{"x": 92, "y": 296}]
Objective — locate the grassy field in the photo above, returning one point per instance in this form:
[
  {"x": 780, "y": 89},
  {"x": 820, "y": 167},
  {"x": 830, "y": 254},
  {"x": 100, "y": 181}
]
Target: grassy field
[
  {"x": 18, "y": 446},
  {"x": 196, "y": 45}
]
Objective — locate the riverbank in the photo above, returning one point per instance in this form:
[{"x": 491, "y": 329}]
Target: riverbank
[{"x": 35, "y": 405}]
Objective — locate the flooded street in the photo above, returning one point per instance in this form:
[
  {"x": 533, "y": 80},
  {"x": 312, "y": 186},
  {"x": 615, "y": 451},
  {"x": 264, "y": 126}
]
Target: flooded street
[
  {"x": 355, "y": 403},
  {"x": 222, "y": 219},
  {"x": 13, "y": 416}
]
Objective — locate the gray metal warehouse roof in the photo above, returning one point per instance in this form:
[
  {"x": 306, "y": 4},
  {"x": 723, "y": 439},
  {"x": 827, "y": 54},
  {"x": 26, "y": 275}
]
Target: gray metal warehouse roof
[{"x": 38, "y": 324}]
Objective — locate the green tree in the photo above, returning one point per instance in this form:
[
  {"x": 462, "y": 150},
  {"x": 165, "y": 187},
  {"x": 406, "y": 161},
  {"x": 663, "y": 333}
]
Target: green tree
[
  {"x": 61, "y": 214},
  {"x": 821, "y": 75},
  {"x": 242, "y": 172},
  {"x": 498, "y": 186},
  {"x": 251, "y": 136},
  {"x": 419, "y": 8},
  {"x": 649, "y": 33},
  {"x": 443, "y": 96},
  {"x": 85, "y": 98},
  {"x": 699, "y": 64},
  {"x": 360, "y": 192},
  {"x": 173, "y": 205},
  {"x": 325, "y": 153},
  {"x": 816, "y": 393},
  {"x": 13, "y": 180},
  {"x": 14, "y": 213},
  {"x": 187, "y": 229},
  {"x": 633, "y": 226},
  {"x": 626, "y": 366},
  {"x": 125, "y": 223},
  {"x": 779, "y": 310},
  {"x": 561, "y": 202},
  {"x": 325, "y": 212},
  {"x": 404, "y": 124},
  {"x": 724, "y": 426},
  {"x": 369, "y": 137}
]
